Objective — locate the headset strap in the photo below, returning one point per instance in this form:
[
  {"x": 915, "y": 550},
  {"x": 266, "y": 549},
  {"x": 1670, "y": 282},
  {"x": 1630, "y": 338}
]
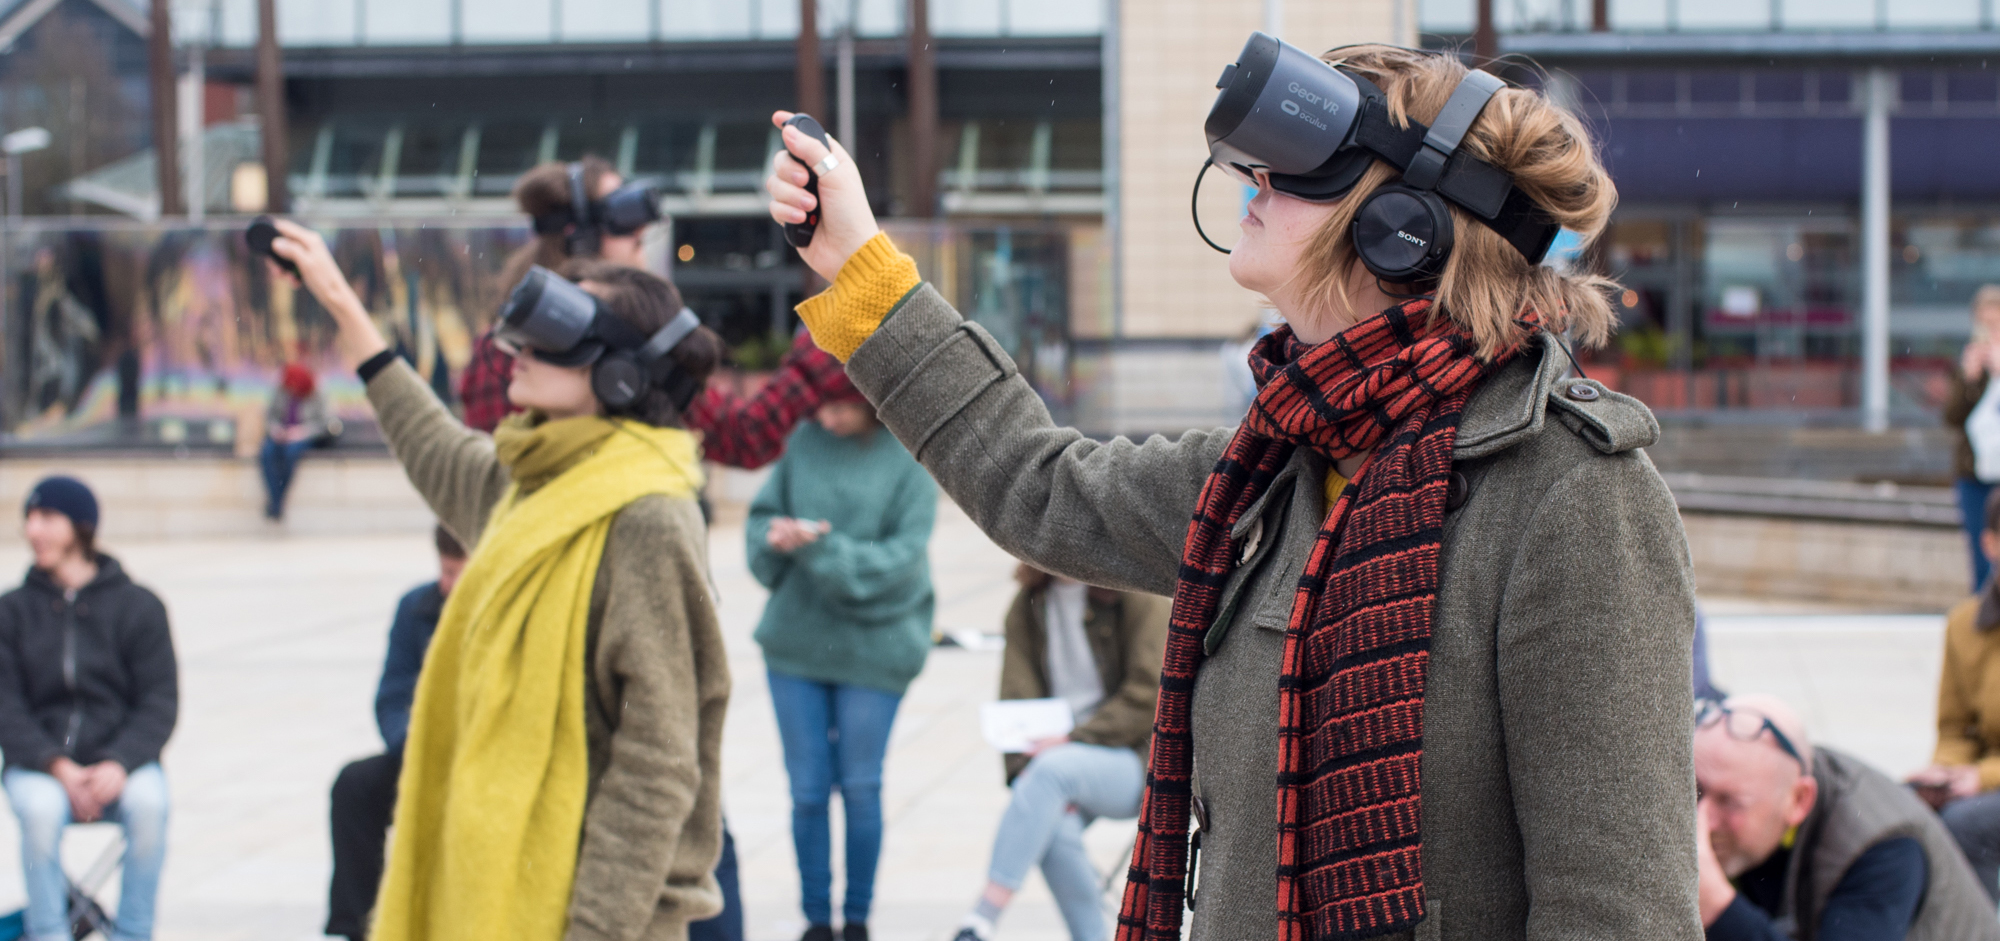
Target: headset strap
[
  {"x": 1478, "y": 187},
  {"x": 670, "y": 335},
  {"x": 1442, "y": 140},
  {"x": 679, "y": 385},
  {"x": 579, "y": 201},
  {"x": 554, "y": 223}
]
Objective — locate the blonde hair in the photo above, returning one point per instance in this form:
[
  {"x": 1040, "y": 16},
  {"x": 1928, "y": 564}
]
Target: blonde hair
[{"x": 1486, "y": 284}]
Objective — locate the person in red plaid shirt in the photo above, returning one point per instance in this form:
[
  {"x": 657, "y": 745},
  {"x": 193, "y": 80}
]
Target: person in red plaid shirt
[{"x": 738, "y": 431}]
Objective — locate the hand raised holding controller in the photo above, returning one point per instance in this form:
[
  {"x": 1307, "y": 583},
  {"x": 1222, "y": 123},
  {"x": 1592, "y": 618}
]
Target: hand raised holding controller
[{"x": 827, "y": 210}]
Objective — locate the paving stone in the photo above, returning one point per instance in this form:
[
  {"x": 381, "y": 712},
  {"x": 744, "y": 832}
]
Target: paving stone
[{"x": 281, "y": 639}]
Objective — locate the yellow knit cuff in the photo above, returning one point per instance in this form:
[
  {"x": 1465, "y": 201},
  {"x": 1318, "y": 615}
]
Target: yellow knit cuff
[{"x": 874, "y": 278}]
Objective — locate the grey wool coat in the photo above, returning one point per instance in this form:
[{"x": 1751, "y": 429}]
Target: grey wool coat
[{"x": 1558, "y": 782}]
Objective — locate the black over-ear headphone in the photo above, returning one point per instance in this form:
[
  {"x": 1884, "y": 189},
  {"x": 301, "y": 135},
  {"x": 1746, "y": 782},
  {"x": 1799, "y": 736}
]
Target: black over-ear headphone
[
  {"x": 581, "y": 239},
  {"x": 1403, "y": 231},
  {"x": 1309, "y": 129},
  {"x": 622, "y": 375}
]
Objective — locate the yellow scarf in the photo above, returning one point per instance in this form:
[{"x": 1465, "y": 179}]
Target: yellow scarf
[{"x": 495, "y": 774}]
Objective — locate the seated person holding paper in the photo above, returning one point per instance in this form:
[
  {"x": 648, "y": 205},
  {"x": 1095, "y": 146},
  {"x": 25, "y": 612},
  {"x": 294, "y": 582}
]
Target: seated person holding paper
[{"x": 1099, "y": 651}]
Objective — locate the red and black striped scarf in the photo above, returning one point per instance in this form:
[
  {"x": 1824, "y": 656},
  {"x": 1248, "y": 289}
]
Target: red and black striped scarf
[{"x": 1351, "y": 692}]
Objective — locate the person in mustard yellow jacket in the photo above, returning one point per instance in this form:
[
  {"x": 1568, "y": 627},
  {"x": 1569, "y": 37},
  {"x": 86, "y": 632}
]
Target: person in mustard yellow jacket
[{"x": 1963, "y": 781}]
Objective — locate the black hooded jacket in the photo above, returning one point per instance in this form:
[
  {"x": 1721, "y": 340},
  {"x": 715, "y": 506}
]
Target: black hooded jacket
[{"x": 91, "y": 679}]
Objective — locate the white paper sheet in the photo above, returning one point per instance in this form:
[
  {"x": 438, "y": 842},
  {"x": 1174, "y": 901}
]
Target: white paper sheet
[{"x": 1012, "y": 725}]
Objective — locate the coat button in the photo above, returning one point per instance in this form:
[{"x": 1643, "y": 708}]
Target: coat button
[
  {"x": 1583, "y": 392},
  {"x": 1456, "y": 491}
]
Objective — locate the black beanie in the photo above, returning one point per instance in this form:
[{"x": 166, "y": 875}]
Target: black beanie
[{"x": 65, "y": 495}]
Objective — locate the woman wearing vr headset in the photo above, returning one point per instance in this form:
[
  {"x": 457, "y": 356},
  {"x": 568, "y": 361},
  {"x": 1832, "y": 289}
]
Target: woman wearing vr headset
[
  {"x": 561, "y": 777},
  {"x": 1428, "y": 671},
  {"x": 548, "y": 195},
  {"x": 737, "y": 431}
]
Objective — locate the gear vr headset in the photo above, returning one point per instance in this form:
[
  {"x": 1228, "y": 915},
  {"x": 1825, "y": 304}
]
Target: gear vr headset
[
  {"x": 1310, "y": 130},
  {"x": 623, "y": 211},
  {"x": 559, "y": 323}
]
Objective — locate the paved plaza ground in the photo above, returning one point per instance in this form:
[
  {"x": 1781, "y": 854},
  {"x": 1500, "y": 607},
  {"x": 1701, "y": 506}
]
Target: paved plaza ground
[{"x": 281, "y": 639}]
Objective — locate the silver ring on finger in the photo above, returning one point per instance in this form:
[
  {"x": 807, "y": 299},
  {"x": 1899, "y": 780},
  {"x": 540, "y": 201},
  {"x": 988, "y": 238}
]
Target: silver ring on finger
[{"x": 827, "y": 165}]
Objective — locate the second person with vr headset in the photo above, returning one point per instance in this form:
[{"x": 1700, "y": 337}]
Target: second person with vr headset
[
  {"x": 1427, "y": 672},
  {"x": 561, "y": 776},
  {"x": 579, "y": 211}
]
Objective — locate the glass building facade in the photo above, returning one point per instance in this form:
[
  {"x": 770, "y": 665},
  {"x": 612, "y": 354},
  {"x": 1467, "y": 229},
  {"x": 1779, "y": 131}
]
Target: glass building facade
[{"x": 1735, "y": 132}]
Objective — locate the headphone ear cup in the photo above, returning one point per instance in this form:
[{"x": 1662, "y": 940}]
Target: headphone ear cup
[
  {"x": 618, "y": 380},
  {"x": 1402, "y": 234}
]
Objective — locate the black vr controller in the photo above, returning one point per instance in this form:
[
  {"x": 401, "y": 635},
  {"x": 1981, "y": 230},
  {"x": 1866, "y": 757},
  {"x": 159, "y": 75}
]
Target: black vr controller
[
  {"x": 800, "y": 234},
  {"x": 561, "y": 324},
  {"x": 261, "y": 233},
  {"x": 623, "y": 211},
  {"x": 1311, "y": 130}
]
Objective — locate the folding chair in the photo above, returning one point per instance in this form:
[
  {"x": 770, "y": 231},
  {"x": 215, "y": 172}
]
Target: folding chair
[{"x": 86, "y": 916}]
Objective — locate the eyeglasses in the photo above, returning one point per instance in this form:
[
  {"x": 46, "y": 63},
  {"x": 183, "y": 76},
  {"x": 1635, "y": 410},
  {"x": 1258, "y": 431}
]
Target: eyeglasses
[{"x": 1745, "y": 726}]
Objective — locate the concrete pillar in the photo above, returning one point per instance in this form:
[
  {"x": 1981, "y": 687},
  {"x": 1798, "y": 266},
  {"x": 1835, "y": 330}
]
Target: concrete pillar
[
  {"x": 843, "y": 82},
  {"x": 1485, "y": 41},
  {"x": 166, "y": 121},
  {"x": 811, "y": 74},
  {"x": 272, "y": 126},
  {"x": 1880, "y": 90},
  {"x": 923, "y": 113}
]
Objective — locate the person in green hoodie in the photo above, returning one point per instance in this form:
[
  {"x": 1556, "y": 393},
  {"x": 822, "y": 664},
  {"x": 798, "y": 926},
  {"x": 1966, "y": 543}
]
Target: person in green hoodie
[{"x": 839, "y": 535}]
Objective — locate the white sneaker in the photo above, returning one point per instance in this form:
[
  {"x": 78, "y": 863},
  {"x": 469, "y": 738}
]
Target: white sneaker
[{"x": 974, "y": 928}]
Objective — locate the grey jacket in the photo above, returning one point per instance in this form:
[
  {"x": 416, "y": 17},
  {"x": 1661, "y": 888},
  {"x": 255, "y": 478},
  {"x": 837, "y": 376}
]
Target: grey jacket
[
  {"x": 1558, "y": 797},
  {"x": 1857, "y": 808}
]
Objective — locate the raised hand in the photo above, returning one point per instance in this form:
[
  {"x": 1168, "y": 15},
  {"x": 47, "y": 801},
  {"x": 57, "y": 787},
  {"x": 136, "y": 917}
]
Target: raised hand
[
  {"x": 846, "y": 223},
  {"x": 359, "y": 339}
]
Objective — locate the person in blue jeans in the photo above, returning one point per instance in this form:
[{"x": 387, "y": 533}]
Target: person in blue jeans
[
  {"x": 839, "y": 534},
  {"x": 1098, "y": 651},
  {"x": 89, "y": 693},
  {"x": 1968, "y": 390},
  {"x": 297, "y": 421}
]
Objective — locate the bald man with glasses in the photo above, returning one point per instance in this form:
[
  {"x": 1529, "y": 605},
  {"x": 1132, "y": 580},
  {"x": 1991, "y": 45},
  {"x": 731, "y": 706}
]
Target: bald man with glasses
[{"x": 1798, "y": 843}]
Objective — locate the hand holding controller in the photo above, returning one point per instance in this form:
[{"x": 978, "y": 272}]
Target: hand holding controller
[
  {"x": 261, "y": 233},
  {"x": 817, "y": 195}
]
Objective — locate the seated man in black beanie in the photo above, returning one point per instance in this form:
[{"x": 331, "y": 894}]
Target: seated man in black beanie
[
  {"x": 364, "y": 795},
  {"x": 89, "y": 692},
  {"x": 1794, "y": 841}
]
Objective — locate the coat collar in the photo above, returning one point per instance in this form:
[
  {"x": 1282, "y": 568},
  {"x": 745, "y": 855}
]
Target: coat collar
[{"x": 1515, "y": 404}]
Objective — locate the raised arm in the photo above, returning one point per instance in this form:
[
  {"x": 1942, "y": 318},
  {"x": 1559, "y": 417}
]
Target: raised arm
[
  {"x": 750, "y": 431},
  {"x": 1113, "y": 514},
  {"x": 1597, "y": 698},
  {"x": 452, "y": 466}
]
